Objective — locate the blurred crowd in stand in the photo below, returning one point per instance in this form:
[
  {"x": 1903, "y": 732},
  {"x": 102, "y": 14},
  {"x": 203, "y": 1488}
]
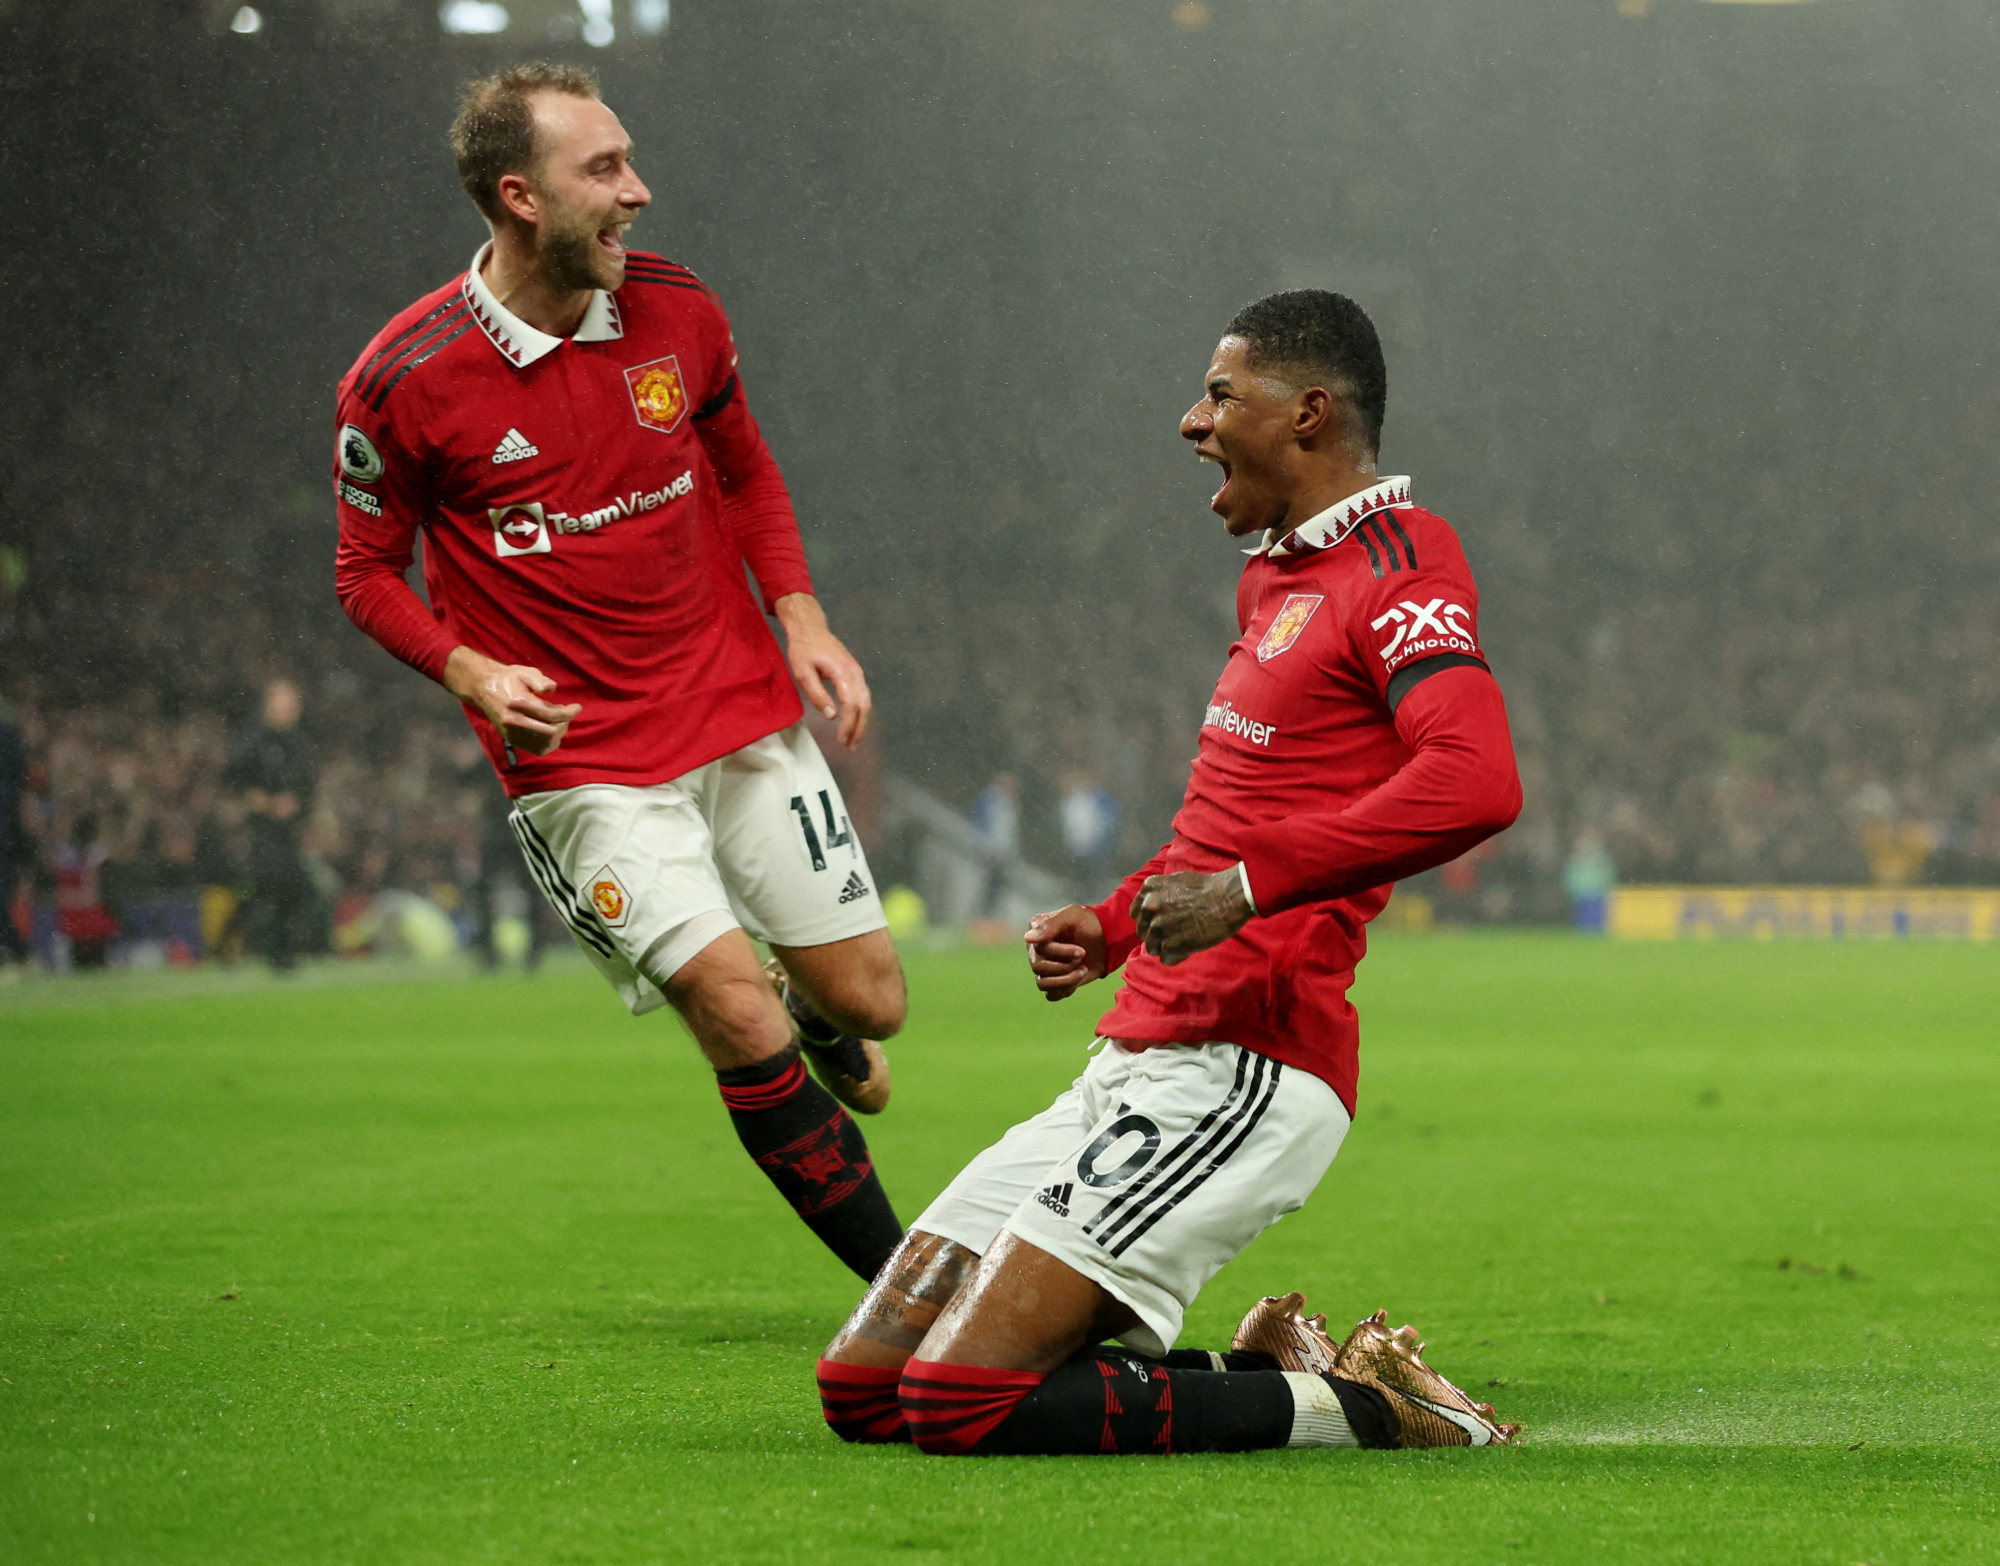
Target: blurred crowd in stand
[
  {"x": 337, "y": 813},
  {"x": 206, "y": 816},
  {"x": 1670, "y": 742},
  {"x": 153, "y": 839}
]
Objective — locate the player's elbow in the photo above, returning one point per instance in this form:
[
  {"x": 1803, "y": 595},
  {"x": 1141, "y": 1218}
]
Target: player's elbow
[
  {"x": 356, "y": 584},
  {"x": 348, "y": 592},
  {"x": 1497, "y": 796}
]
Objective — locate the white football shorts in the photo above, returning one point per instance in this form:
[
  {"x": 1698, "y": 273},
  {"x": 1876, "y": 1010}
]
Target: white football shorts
[
  {"x": 1154, "y": 1170},
  {"x": 646, "y": 877}
]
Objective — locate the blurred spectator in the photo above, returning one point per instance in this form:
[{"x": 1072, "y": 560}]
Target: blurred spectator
[
  {"x": 1090, "y": 820},
  {"x": 272, "y": 772},
  {"x": 996, "y": 817},
  {"x": 86, "y": 926},
  {"x": 1588, "y": 877},
  {"x": 1895, "y": 845},
  {"x": 1778, "y": 752}
]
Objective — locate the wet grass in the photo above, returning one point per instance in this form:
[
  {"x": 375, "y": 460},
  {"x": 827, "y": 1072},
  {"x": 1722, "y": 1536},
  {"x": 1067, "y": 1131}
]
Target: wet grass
[{"x": 473, "y": 1270}]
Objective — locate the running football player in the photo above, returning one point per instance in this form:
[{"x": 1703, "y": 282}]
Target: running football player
[
  {"x": 565, "y": 424},
  {"x": 1355, "y": 737}
]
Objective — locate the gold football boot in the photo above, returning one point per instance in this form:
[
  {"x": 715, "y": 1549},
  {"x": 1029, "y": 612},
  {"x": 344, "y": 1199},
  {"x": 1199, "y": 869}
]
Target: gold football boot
[
  {"x": 855, "y": 1071},
  {"x": 1277, "y": 1326},
  {"x": 1429, "y": 1410}
]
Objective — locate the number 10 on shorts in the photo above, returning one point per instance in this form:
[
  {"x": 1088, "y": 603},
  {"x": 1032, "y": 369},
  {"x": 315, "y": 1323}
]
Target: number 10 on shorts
[{"x": 837, "y": 833}]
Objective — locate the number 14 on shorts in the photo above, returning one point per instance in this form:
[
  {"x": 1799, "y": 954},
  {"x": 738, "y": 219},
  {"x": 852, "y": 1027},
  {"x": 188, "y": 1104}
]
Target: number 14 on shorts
[{"x": 838, "y": 831}]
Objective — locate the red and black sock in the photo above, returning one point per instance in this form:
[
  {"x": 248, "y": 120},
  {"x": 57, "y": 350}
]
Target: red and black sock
[
  {"x": 1100, "y": 1401},
  {"x": 860, "y": 1402},
  {"x": 816, "y": 1157}
]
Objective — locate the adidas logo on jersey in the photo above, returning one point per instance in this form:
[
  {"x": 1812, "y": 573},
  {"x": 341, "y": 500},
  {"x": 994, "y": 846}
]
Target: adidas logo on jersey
[
  {"x": 1056, "y": 1198},
  {"x": 856, "y": 888},
  {"x": 514, "y": 447}
]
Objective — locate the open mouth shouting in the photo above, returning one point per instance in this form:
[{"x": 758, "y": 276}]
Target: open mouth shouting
[{"x": 1218, "y": 502}]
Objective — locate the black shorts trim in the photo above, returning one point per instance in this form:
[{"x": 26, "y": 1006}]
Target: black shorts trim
[
  {"x": 1193, "y": 1159},
  {"x": 556, "y": 886},
  {"x": 1244, "y": 1121}
]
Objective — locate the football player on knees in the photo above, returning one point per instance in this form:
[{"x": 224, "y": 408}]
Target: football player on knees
[{"x": 1356, "y": 736}]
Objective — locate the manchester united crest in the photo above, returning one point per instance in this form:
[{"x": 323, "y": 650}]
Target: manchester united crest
[
  {"x": 1287, "y": 625},
  {"x": 608, "y": 898},
  {"x": 658, "y": 396}
]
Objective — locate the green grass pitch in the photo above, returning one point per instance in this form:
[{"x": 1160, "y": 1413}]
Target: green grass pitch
[{"x": 473, "y": 1270}]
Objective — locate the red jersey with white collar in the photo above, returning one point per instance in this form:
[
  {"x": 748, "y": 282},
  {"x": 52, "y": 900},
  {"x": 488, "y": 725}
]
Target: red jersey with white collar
[
  {"x": 1355, "y": 737},
  {"x": 588, "y": 504}
]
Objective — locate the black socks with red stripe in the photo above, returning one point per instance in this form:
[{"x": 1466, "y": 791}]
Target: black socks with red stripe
[
  {"x": 1101, "y": 1401},
  {"x": 815, "y": 1155}
]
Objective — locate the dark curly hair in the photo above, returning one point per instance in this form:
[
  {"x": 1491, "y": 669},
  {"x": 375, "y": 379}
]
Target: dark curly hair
[
  {"x": 1324, "y": 339},
  {"x": 494, "y": 131}
]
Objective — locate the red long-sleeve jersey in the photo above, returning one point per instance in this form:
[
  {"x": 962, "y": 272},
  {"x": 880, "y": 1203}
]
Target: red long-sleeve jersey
[
  {"x": 587, "y": 506},
  {"x": 1356, "y": 737}
]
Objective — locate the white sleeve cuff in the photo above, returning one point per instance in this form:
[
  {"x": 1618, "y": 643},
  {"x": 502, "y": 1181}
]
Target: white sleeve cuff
[{"x": 1243, "y": 875}]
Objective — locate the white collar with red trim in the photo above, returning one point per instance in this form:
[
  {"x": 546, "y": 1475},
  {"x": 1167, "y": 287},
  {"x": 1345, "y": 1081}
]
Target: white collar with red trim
[
  {"x": 522, "y": 344},
  {"x": 1330, "y": 526}
]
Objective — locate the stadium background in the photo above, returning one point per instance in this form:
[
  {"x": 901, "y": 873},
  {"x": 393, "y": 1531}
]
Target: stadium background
[
  {"x": 1687, "y": 309},
  {"x": 1689, "y": 314}
]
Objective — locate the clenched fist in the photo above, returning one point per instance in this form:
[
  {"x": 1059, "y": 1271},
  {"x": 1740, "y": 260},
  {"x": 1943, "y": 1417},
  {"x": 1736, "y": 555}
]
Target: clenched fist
[
  {"x": 1066, "y": 950},
  {"x": 1188, "y": 912}
]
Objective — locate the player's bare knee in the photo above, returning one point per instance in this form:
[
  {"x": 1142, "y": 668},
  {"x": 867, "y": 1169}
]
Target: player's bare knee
[
  {"x": 857, "y": 984},
  {"x": 904, "y": 1301},
  {"x": 869, "y": 1002},
  {"x": 880, "y": 1012}
]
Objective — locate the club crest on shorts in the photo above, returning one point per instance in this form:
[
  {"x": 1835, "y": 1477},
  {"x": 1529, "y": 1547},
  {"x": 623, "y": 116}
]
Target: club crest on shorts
[
  {"x": 608, "y": 898},
  {"x": 658, "y": 395},
  {"x": 1289, "y": 623}
]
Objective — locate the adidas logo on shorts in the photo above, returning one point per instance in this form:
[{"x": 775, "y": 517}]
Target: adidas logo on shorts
[
  {"x": 856, "y": 888},
  {"x": 1056, "y": 1198}
]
